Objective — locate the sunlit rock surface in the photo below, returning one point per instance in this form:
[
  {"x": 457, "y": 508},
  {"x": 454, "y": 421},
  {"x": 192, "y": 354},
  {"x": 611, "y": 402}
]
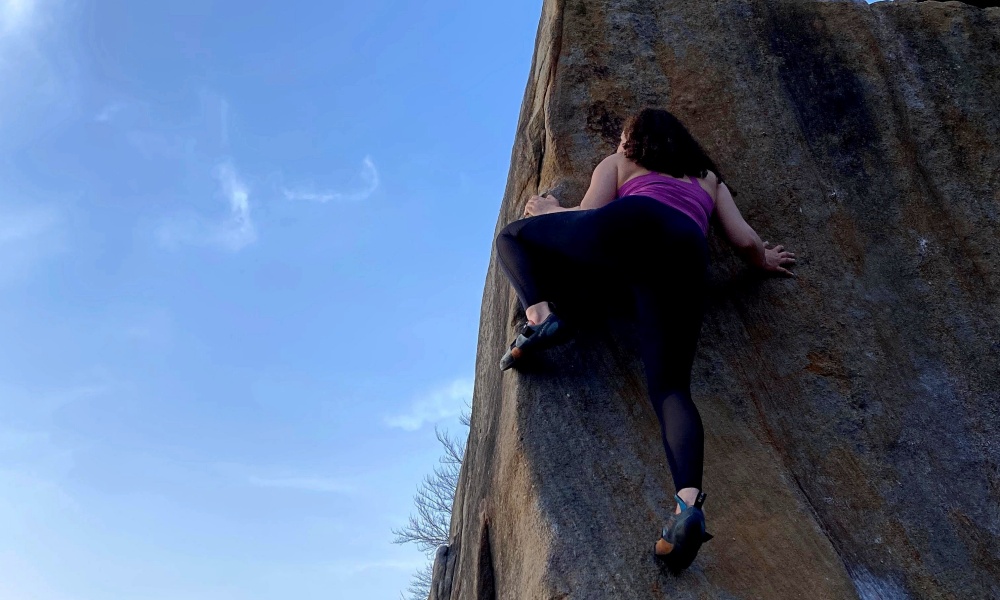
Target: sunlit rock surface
[{"x": 851, "y": 414}]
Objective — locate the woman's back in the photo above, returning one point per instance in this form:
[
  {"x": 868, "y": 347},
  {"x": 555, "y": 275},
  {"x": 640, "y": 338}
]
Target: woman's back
[{"x": 691, "y": 196}]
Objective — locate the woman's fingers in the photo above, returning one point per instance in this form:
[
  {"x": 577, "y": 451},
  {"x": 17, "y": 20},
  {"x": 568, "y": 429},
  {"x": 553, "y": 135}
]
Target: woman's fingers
[{"x": 783, "y": 258}]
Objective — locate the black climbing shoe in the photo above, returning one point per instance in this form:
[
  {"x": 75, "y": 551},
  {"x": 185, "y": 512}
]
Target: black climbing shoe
[
  {"x": 550, "y": 332},
  {"x": 683, "y": 536}
]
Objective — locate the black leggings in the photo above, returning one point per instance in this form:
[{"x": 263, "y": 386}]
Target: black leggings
[{"x": 661, "y": 257}]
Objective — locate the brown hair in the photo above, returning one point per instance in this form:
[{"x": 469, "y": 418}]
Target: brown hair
[{"x": 658, "y": 141}]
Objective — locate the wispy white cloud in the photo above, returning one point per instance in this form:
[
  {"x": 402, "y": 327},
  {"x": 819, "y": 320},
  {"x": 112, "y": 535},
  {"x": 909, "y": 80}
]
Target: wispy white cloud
[
  {"x": 238, "y": 231},
  {"x": 369, "y": 180},
  {"x": 234, "y": 233},
  {"x": 442, "y": 403},
  {"x": 108, "y": 112},
  {"x": 305, "y": 484}
]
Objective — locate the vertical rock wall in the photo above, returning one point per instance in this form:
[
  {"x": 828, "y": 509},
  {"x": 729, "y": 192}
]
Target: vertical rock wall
[{"x": 852, "y": 414}]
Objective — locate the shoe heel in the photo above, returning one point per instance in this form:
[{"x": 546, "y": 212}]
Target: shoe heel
[
  {"x": 684, "y": 535},
  {"x": 662, "y": 547}
]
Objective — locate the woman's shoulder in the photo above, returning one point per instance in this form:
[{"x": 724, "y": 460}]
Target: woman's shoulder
[
  {"x": 618, "y": 164},
  {"x": 617, "y": 158},
  {"x": 627, "y": 168},
  {"x": 710, "y": 177},
  {"x": 710, "y": 183}
]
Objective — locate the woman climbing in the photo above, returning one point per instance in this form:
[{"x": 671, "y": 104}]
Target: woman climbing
[{"x": 644, "y": 219}]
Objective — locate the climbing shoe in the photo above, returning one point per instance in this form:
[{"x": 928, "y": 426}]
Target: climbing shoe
[
  {"x": 683, "y": 536},
  {"x": 550, "y": 332}
]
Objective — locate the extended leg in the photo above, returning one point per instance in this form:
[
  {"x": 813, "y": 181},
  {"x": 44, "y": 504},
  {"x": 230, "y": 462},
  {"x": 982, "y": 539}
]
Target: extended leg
[{"x": 669, "y": 323}]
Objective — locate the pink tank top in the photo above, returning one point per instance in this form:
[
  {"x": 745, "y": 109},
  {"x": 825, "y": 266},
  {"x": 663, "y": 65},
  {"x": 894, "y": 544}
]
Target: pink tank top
[{"x": 688, "y": 197}]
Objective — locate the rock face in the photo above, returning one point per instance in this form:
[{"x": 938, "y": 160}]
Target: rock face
[
  {"x": 852, "y": 415},
  {"x": 979, "y": 3}
]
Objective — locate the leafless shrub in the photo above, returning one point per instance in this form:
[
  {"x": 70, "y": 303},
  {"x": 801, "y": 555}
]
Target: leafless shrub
[
  {"x": 420, "y": 585},
  {"x": 429, "y": 527}
]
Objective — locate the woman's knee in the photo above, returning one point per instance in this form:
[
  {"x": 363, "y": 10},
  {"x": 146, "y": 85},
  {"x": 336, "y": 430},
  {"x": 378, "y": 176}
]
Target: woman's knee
[
  {"x": 509, "y": 236},
  {"x": 505, "y": 241},
  {"x": 510, "y": 230}
]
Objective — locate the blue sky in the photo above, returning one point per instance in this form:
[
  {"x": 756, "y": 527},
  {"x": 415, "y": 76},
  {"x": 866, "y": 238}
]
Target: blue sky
[{"x": 242, "y": 255}]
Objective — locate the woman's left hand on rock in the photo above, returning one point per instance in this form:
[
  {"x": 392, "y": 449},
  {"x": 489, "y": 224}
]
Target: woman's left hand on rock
[{"x": 541, "y": 205}]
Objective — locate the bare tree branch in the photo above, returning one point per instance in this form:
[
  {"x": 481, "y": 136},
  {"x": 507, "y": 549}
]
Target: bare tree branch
[
  {"x": 466, "y": 417},
  {"x": 430, "y": 526},
  {"x": 420, "y": 585}
]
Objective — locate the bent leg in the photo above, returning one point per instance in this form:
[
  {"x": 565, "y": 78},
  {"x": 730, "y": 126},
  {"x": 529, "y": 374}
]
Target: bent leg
[
  {"x": 547, "y": 257},
  {"x": 530, "y": 267},
  {"x": 570, "y": 252}
]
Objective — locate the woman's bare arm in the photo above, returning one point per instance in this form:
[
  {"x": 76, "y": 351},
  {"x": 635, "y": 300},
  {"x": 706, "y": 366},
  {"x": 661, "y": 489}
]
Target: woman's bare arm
[
  {"x": 745, "y": 240},
  {"x": 602, "y": 190},
  {"x": 603, "y": 184}
]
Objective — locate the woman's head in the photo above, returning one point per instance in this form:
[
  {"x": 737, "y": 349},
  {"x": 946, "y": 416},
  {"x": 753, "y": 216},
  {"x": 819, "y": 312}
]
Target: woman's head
[{"x": 656, "y": 140}]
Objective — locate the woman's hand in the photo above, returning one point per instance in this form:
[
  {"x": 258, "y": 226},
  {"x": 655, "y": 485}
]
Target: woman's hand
[
  {"x": 776, "y": 258},
  {"x": 541, "y": 205}
]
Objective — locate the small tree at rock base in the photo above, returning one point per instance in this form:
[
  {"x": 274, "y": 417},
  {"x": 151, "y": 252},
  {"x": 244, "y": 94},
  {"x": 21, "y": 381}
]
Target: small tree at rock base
[{"x": 429, "y": 527}]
